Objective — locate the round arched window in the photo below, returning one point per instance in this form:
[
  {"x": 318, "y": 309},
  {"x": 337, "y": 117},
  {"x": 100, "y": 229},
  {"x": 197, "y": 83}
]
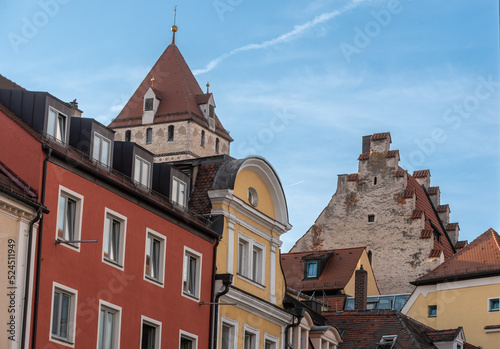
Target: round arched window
[{"x": 252, "y": 197}]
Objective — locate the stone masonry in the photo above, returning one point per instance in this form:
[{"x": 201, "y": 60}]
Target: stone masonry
[{"x": 390, "y": 212}]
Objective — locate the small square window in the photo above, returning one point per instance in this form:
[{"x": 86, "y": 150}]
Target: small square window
[
  {"x": 155, "y": 257},
  {"x": 432, "y": 310},
  {"x": 109, "y": 326},
  {"x": 69, "y": 216},
  {"x": 150, "y": 334},
  {"x": 371, "y": 218},
  {"x": 64, "y": 302},
  {"x": 179, "y": 192},
  {"x": 312, "y": 269},
  {"x": 148, "y": 104},
  {"x": 114, "y": 238},
  {"x": 493, "y": 304},
  {"x": 188, "y": 341},
  {"x": 191, "y": 273}
]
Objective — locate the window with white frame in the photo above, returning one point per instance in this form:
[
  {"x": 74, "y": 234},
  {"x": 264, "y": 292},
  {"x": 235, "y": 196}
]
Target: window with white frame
[
  {"x": 101, "y": 149},
  {"x": 251, "y": 257},
  {"x": 229, "y": 333},
  {"x": 270, "y": 342},
  {"x": 69, "y": 215},
  {"x": 109, "y": 326},
  {"x": 56, "y": 125},
  {"x": 142, "y": 171},
  {"x": 179, "y": 192},
  {"x": 114, "y": 237},
  {"x": 63, "y": 318},
  {"x": 155, "y": 256},
  {"x": 312, "y": 269},
  {"x": 188, "y": 341},
  {"x": 494, "y": 304},
  {"x": 250, "y": 338},
  {"x": 150, "y": 333},
  {"x": 191, "y": 275}
]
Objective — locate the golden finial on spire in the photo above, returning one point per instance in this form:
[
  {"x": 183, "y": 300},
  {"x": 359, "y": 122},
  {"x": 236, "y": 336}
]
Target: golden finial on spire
[
  {"x": 153, "y": 81},
  {"x": 174, "y": 27},
  {"x": 208, "y": 85}
]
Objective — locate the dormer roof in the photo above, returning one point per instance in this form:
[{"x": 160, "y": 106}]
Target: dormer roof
[{"x": 176, "y": 85}]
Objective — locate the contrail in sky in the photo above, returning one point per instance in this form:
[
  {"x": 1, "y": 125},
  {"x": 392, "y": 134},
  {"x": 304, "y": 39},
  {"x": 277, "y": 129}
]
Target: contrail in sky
[{"x": 297, "y": 31}]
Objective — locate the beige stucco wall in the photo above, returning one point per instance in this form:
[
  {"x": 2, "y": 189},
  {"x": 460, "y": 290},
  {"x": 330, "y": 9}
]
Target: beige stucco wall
[{"x": 460, "y": 304}]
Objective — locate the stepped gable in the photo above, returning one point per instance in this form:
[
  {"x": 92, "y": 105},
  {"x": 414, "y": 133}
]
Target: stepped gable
[
  {"x": 480, "y": 257},
  {"x": 422, "y": 203},
  {"x": 180, "y": 95},
  {"x": 336, "y": 274}
]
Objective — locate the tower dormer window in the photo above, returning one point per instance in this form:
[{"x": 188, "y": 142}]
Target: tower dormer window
[
  {"x": 217, "y": 146},
  {"x": 211, "y": 111},
  {"x": 148, "y": 104}
]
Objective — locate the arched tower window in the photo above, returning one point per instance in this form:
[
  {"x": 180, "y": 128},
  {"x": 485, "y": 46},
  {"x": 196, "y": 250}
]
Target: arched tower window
[
  {"x": 149, "y": 135},
  {"x": 202, "y": 138},
  {"x": 170, "y": 133},
  {"x": 217, "y": 146},
  {"x": 127, "y": 136}
]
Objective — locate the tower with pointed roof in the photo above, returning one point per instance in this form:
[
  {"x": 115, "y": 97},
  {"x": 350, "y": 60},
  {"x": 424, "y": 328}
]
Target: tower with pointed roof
[{"x": 170, "y": 115}]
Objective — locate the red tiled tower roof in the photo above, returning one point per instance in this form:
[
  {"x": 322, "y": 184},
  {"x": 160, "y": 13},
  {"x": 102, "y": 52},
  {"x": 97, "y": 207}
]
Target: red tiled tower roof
[
  {"x": 480, "y": 257},
  {"x": 180, "y": 95}
]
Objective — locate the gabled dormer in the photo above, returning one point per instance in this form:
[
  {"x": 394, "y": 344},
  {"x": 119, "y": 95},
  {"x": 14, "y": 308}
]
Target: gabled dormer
[
  {"x": 314, "y": 264},
  {"x": 206, "y": 103},
  {"x": 151, "y": 102}
]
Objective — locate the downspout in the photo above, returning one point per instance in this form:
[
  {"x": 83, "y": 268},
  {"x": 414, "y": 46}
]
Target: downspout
[
  {"x": 227, "y": 280},
  {"x": 27, "y": 275},
  {"x": 212, "y": 308},
  {"x": 48, "y": 152}
]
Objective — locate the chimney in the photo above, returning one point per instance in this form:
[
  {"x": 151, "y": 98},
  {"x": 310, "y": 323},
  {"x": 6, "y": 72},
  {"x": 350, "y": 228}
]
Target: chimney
[{"x": 360, "y": 289}]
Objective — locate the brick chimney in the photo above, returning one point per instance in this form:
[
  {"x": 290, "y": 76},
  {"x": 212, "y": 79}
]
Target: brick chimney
[{"x": 360, "y": 289}]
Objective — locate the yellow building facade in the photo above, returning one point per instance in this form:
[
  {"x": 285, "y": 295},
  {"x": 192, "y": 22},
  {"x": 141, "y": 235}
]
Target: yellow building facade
[{"x": 248, "y": 194}]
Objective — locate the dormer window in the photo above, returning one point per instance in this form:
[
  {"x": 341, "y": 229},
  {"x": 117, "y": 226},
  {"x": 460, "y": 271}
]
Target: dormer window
[
  {"x": 101, "y": 149},
  {"x": 148, "y": 104},
  {"x": 142, "y": 171},
  {"x": 179, "y": 192},
  {"x": 56, "y": 125},
  {"x": 211, "y": 111},
  {"x": 312, "y": 269}
]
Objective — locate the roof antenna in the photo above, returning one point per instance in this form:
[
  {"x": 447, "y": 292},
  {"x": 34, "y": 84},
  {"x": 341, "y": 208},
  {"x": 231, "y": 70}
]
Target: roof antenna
[
  {"x": 174, "y": 27},
  {"x": 208, "y": 86}
]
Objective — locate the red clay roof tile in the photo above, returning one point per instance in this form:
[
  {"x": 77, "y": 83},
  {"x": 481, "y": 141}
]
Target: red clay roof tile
[
  {"x": 421, "y": 174},
  {"x": 452, "y": 226},
  {"x": 433, "y": 190},
  {"x": 408, "y": 194},
  {"x": 364, "y": 156},
  {"x": 352, "y": 177},
  {"x": 417, "y": 214},
  {"x": 392, "y": 154},
  {"x": 199, "y": 201},
  {"x": 426, "y": 234},
  {"x": 400, "y": 173},
  {"x": 461, "y": 244},
  {"x": 380, "y": 136},
  {"x": 435, "y": 253},
  {"x": 443, "y": 208}
]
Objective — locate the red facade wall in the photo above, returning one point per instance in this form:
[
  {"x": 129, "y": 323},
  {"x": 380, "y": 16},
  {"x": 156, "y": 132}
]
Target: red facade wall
[{"x": 85, "y": 272}]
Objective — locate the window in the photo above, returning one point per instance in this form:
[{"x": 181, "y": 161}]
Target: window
[
  {"x": 142, "y": 171},
  {"x": 217, "y": 146},
  {"x": 371, "y": 218},
  {"x": 202, "y": 138},
  {"x": 250, "y": 338},
  {"x": 155, "y": 256},
  {"x": 170, "y": 134},
  {"x": 148, "y": 104},
  {"x": 188, "y": 341},
  {"x": 251, "y": 256},
  {"x": 179, "y": 192},
  {"x": 270, "y": 342},
  {"x": 127, "y": 136},
  {"x": 211, "y": 111},
  {"x": 69, "y": 215},
  {"x": 64, "y": 302},
  {"x": 149, "y": 135},
  {"x": 493, "y": 304},
  {"x": 191, "y": 273},
  {"x": 387, "y": 341},
  {"x": 114, "y": 238},
  {"x": 109, "y": 326},
  {"x": 432, "y": 309},
  {"x": 101, "y": 151},
  {"x": 374, "y": 180},
  {"x": 228, "y": 334},
  {"x": 56, "y": 125},
  {"x": 151, "y": 334},
  {"x": 312, "y": 269},
  {"x": 252, "y": 197}
]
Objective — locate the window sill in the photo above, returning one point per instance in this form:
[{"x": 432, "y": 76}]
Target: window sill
[
  {"x": 190, "y": 296},
  {"x": 112, "y": 263},
  {"x": 253, "y": 282},
  {"x": 153, "y": 280},
  {"x": 62, "y": 341}
]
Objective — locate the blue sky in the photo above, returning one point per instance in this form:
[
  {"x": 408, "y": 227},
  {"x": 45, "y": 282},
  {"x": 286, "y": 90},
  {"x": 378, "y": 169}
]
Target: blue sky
[{"x": 297, "y": 83}]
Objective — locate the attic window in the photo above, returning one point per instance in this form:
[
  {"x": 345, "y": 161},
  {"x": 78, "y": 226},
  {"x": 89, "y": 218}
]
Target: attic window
[
  {"x": 127, "y": 136},
  {"x": 371, "y": 218},
  {"x": 387, "y": 341},
  {"x": 148, "y": 104},
  {"x": 210, "y": 111},
  {"x": 312, "y": 270},
  {"x": 170, "y": 133},
  {"x": 432, "y": 311},
  {"x": 252, "y": 197}
]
